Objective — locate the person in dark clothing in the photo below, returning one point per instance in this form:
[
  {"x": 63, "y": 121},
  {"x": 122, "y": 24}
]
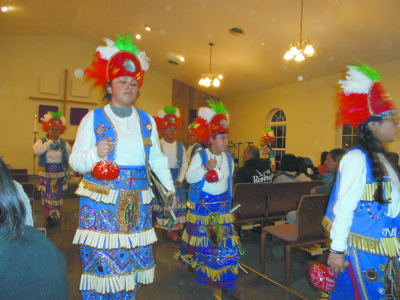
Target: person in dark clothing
[
  {"x": 331, "y": 163},
  {"x": 31, "y": 267},
  {"x": 255, "y": 169}
]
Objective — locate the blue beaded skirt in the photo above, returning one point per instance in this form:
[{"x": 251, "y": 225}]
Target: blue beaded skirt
[
  {"x": 210, "y": 243},
  {"x": 116, "y": 240}
]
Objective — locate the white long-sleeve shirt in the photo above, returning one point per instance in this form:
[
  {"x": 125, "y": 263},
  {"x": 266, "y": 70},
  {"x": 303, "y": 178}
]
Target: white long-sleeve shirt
[
  {"x": 353, "y": 170},
  {"x": 52, "y": 156},
  {"x": 170, "y": 150},
  {"x": 129, "y": 150},
  {"x": 196, "y": 173}
]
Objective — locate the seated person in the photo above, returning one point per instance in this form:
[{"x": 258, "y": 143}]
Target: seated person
[
  {"x": 305, "y": 168},
  {"x": 31, "y": 266},
  {"x": 322, "y": 168},
  {"x": 331, "y": 164},
  {"x": 289, "y": 170},
  {"x": 255, "y": 169}
]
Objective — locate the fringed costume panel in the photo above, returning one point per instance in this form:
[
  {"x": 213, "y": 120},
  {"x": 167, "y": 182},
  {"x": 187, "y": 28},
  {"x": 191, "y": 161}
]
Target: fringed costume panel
[
  {"x": 116, "y": 239},
  {"x": 210, "y": 244},
  {"x": 51, "y": 186}
]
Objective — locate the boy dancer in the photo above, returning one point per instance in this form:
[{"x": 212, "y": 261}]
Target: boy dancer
[
  {"x": 169, "y": 122},
  {"x": 209, "y": 242}
]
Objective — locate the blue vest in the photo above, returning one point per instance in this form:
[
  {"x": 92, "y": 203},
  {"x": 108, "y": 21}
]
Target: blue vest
[
  {"x": 370, "y": 223},
  {"x": 196, "y": 146},
  {"x": 196, "y": 188},
  {"x": 43, "y": 160},
  {"x": 103, "y": 129}
]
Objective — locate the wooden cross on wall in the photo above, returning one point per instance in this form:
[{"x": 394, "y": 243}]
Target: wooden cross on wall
[{"x": 65, "y": 100}]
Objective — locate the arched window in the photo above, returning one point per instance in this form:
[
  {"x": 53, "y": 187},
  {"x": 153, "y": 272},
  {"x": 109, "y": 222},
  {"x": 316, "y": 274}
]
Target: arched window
[
  {"x": 277, "y": 122},
  {"x": 349, "y": 137}
]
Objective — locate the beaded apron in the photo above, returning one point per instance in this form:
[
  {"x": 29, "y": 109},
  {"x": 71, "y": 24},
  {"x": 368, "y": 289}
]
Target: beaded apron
[{"x": 116, "y": 239}]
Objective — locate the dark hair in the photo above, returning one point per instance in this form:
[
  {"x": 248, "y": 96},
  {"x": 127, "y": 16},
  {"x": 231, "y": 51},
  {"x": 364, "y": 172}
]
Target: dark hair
[
  {"x": 12, "y": 210},
  {"x": 304, "y": 164},
  {"x": 324, "y": 155},
  {"x": 337, "y": 153},
  {"x": 393, "y": 158},
  {"x": 107, "y": 95},
  {"x": 254, "y": 151},
  {"x": 371, "y": 144},
  {"x": 288, "y": 163}
]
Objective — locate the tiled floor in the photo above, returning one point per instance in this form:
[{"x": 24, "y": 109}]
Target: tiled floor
[{"x": 171, "y": 283}]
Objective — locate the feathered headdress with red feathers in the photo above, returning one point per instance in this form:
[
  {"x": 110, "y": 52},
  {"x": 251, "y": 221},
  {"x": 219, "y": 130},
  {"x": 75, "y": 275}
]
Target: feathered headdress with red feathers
[
  {"x": 167, "y": 117},
  {"x": 192, "y": 129},
  {"x": 211, "y": 120},
  {"x": 268, "y": 135},
  {"x": 53, "y": 119},
  {"x": 362, "y": 97},
  {"x": 119, "y": 58}
]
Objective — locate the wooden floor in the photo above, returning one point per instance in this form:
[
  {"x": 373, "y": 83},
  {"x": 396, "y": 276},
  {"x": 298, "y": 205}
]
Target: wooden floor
[{"x": 170, "y": 282}]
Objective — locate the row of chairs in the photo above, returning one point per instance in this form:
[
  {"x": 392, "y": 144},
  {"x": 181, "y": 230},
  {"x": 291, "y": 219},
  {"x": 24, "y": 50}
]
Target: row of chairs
[
  {"x": 270, "y": 202},
  {"x": 305, "y": 232}
]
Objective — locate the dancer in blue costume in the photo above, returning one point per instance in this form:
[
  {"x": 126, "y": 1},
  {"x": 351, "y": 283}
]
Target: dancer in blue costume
[
  {"x": 115, "y": 231},
  {"x": 266, "y": 151},
  {"x": 169, "y": 123},
  {"x": 209, "y": 242},
  {"x": 363, "y": 212},
  {"x": 193, "y": 146},
  {"x": 53, "y": 168}
]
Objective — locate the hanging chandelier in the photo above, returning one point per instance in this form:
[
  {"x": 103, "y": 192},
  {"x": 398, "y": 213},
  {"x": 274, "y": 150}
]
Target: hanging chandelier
[
  {"x": 300, "y": 49},
  {"x": 210, "y": 79}
]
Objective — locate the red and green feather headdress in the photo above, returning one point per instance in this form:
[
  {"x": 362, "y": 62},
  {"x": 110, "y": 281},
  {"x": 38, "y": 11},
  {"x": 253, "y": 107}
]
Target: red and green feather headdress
[
  {"x": 119, "y": 58},
  {"x": 211, "y": 120},
  {"x": 362, "y": 97},
  {"x": 268, "y": 135},
  {"x": 167, "y": 117},
  {"x": 53, "y": 119}
]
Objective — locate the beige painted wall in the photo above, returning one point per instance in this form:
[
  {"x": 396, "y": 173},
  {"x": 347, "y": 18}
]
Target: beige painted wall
[
  {"x": 310, "y": 107},
  {"x": 24, "y": 59}
]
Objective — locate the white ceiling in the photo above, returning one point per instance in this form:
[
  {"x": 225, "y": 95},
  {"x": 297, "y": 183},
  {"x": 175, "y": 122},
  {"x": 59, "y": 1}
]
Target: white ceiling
[{"x": 340, "y": 31}]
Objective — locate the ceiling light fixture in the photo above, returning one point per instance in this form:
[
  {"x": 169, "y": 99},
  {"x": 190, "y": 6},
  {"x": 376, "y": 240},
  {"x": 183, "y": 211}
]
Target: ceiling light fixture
[
  {"x": 4, "y": 8},
  {"x": 210, "y": 79},
  {"x": 300, "y": 49},
  {"x": 147, "y": 27}
]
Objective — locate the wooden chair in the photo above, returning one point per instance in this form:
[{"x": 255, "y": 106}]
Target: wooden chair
[
  {"x": 306, "y": 231},
  {"x": 252, "y": 198},
  {"x": 284, "y": 197}
]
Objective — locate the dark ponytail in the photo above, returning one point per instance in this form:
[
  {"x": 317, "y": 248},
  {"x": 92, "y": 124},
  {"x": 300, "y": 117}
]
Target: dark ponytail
[{"x": 373, "y": 146}]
